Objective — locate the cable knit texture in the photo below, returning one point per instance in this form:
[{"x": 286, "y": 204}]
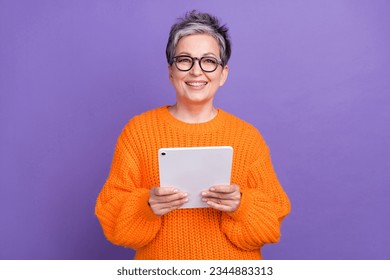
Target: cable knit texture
[{"x": 202, "y": 233}]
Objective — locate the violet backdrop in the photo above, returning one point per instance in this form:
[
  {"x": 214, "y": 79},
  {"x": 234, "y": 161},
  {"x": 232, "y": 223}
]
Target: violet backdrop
[{"x": 312, "y": 76}]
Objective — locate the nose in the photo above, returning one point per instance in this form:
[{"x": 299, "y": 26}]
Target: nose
[{"x": 196, "y": 70}]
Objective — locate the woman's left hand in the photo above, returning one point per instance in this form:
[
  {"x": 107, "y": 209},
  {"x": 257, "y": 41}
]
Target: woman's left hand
[{"x": 224, "y": 198}]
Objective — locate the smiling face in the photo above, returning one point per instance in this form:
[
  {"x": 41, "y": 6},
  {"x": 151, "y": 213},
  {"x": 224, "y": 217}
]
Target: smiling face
[{"x": 196, "y": 87}]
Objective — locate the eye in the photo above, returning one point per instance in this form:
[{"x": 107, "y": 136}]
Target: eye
[
  {"x": 209, "y": 60},
  {"x": 184, "y": 60}
]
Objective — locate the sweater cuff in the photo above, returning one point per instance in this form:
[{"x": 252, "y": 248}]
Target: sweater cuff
[
  {"x": 143, "y": 205},
  {"x": 242, "y": 212}
]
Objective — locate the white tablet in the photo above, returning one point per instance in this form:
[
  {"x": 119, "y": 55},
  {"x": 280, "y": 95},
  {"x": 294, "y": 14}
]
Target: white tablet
[{"x": 195, "y": 169}]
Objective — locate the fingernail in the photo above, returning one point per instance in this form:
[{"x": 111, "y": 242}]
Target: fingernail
[
  {"x": 204, "y": 193},
  {"x": 212, "y": 189},
  {"x": 175, "y": 190}
]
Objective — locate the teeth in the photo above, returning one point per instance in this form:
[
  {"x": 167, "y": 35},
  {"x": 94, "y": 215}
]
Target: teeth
[{"x": 196, "y": 84}]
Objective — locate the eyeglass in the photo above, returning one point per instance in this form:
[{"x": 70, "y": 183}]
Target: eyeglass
[{"x": 207, "y": 63}]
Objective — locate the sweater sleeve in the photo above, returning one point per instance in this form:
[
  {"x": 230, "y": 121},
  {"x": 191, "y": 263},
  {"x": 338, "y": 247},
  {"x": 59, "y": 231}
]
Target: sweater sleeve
[
  {"x": 263, "y": 206},
  {"x": 122, "y": 205}
]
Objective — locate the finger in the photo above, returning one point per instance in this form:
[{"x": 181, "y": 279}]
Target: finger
[
  {"x": 163, "y": 208},
  {"x": 221, "y": 207},
  {"x": 222, "y": 196},
  {"x": 228, "y": 202},
  {"x": 216, "y": 199},
  {"x": 164, "y": 190},
  {"x": 174, "y": 204},
  {"x": 169, "y": 209},
  {"x": 168, "y": 198},
  {"x": 224, "y": 189}
]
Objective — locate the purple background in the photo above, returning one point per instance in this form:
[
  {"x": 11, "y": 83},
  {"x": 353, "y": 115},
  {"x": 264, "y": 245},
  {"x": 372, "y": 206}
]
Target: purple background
[{"x": 313, "y": 76}]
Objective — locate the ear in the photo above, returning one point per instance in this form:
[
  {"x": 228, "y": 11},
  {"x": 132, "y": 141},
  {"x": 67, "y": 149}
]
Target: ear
[
  {"x": 224, "y": 75},
  {"x": 170, "y": 73}
]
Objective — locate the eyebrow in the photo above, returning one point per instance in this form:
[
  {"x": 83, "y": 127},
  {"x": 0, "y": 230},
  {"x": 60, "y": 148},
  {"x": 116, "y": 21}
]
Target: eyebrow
[{"x": 205, "y": 54}]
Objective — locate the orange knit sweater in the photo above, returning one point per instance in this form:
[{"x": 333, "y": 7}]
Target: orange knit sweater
[{"x": 202, "y": 233}]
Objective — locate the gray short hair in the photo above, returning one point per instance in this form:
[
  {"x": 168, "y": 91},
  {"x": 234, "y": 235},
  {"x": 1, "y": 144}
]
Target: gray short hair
[{"x": 195, "y": 22}]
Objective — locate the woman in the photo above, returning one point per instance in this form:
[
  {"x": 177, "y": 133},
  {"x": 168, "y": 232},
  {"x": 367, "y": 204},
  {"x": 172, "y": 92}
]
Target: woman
[{"x": 242, "y": 217}]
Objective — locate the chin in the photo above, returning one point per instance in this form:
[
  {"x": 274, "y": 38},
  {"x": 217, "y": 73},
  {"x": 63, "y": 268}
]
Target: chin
[{"x": 198, "y": 101}]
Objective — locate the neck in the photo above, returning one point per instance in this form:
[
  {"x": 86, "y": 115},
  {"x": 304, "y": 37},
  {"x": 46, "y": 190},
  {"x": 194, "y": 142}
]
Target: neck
[{"x": 193, "y": 113}]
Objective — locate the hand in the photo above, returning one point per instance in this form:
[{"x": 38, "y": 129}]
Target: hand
[
  {"x": 164, "y": 200},
  {"x": 224, "y": 198}
]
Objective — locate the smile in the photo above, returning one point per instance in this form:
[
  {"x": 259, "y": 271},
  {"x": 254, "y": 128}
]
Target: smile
[{"x": 196, "y": 84}]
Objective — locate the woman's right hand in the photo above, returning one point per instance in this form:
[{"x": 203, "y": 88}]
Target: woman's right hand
[{"x": 164, "y": 200}]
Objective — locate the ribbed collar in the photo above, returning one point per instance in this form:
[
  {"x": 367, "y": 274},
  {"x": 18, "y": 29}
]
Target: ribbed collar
[{"x": 215, "y": 124}]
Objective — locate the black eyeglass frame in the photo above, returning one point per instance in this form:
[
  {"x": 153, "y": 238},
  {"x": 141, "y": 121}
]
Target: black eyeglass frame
[{"x": 174, "y": 60}]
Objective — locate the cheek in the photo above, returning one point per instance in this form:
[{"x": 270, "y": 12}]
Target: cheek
[
  {"x": 177, "y": 81},
  {"x": 176, "y": 76}
]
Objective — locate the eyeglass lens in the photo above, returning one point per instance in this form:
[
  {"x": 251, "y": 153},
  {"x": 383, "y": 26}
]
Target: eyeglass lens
[{"x": 207, "y": 64}]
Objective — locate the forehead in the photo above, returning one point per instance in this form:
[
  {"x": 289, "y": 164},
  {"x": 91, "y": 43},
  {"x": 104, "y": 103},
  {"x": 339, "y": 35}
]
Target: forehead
[{"x": 197, "y": 44}]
